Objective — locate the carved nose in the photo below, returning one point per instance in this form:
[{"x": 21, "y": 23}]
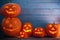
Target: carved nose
[
  {"x": 10, "y": 9},
  {"x": 27, "y": 27},
  {"x": 10, "y": 25},
  {"x": 52, "y": 28}
]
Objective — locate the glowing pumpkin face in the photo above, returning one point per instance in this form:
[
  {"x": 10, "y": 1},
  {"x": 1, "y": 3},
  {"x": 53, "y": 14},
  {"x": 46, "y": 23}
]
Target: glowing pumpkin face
[
  {"x": 53, "y": 30},
  {"x": 11, "y": 10},
  {"x": 27, "y": 27},
  {"x": 38, "y": 32},
  {"x": 11, "y": 26},
  {"x": 22, "y": 35}
]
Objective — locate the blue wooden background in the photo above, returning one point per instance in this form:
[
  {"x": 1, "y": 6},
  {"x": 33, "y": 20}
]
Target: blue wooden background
[{"x": 38, "y": 12}]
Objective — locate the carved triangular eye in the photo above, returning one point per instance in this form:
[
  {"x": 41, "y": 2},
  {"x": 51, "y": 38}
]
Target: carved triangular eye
[
  {"x": 29, "y": 25},
  {"x": 13, "y": 6},
  {"x": 50, "y": 25},
  {"x": 6, "y": 6},
  {"x": 25, "y": 25},
  {"x": 55, "y": 26}
]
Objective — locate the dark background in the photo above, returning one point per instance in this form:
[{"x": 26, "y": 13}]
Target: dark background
[{"x": 38, "y": 12}]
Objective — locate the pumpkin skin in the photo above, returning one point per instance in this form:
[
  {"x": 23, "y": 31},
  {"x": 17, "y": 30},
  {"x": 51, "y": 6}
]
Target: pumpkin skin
[
  {"x": 22, "y": 35},
  {"x": 53, "y": 30},
  {"x": 10, "y": 10},
  {"x": 11, "y": 26},
  {"x": 27, "y": 27},
  {"x": 58, "y": 35},
  {"x": 38, "y": 32}
]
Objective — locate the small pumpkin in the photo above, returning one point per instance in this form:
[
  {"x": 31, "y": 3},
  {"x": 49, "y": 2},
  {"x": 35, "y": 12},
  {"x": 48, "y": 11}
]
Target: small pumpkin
[
  {"x": 11, "y": 26},
  {"x": 53, "y": 30},
  {"x": 38, "y": 32},
  {"x": 22, "y": 35},
  {"x": 27, "y": 27},
  {"x": 10, "y": 10}
]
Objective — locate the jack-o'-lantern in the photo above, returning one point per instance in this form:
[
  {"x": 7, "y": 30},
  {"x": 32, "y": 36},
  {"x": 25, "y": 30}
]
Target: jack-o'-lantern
[
  {"x": 11, "y": 26},
  {"x": 22, "y": 35},
  {"x": 27, "y": 27},
  {"x": 38, "y": 32},
  {"x": 53, "y": 30},
  {"x": 10, "y": 10}
]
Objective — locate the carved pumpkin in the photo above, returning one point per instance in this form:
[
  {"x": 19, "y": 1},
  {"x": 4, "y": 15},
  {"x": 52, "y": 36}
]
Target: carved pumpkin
[
  {"x": 11, "y": 26},
  {"x": 27, "y": 27},
  {"x": 23, "y": 35},
  {"x": 38, "y": 32},
  {"x": 10, "y": 10},
  {"x": 53, "y": 30}
]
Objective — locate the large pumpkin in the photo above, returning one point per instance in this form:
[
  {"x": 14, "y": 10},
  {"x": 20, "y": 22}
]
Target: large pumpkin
[
  {"x": 11, "y": 26},
  {"x": 10, "y": 10},
  {"x": 27, "y": 27},
  {"x": 53, "y": 30},
  {"x": 38, "y": 32}
]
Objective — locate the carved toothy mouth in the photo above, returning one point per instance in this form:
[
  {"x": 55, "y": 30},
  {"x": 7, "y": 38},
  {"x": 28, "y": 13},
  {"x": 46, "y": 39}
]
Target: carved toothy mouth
[
  {"x": 52, "y": 32},
  {"x": 27, "y": 30},
  {"x": 9, "y": 12},
  {"x": 9, "y": 29},
  {"x": 38, "y": 32}
]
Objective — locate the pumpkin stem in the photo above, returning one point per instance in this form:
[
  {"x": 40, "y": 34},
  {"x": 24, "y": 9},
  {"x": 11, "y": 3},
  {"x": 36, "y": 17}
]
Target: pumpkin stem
[{"x": 53, "y": 23}]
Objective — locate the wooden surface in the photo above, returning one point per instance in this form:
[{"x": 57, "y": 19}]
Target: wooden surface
[{"x": 31, "y": 39}]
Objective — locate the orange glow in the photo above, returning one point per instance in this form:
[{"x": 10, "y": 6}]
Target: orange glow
[
  {"x": 52, "y": 28},
  {"x": 50, "y": 25},
  {"x": 10, "y": 9},
  {"x": 13, "y": 6},
  {"x": 10, "y": 12},
  {"x": 27, "y": 27},
  {"x": 38, "y": 32},
  {"x": 10, "y": 30},
  {"x": 6, "y": 7},
  {"x": 22, "y": 35},
  {"x": 58, "y": 35},
  {"x": 27, "y": 30},
  {"x": 52, "y": 32},
  {"x": 9, "y": 27},
  {"x": 7, "y": 22}
]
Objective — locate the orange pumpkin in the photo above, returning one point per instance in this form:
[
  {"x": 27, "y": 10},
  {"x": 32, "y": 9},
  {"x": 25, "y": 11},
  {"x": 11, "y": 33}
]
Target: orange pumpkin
[
  {"x": 11, "y": 26},
  {"x": 23, "y": 35},
  {"x": 53, "y": 30},
  {"x": 38, "y": 32},
  {"x": 10, "y": 10},
  {"x": 27, "y": 27}
]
